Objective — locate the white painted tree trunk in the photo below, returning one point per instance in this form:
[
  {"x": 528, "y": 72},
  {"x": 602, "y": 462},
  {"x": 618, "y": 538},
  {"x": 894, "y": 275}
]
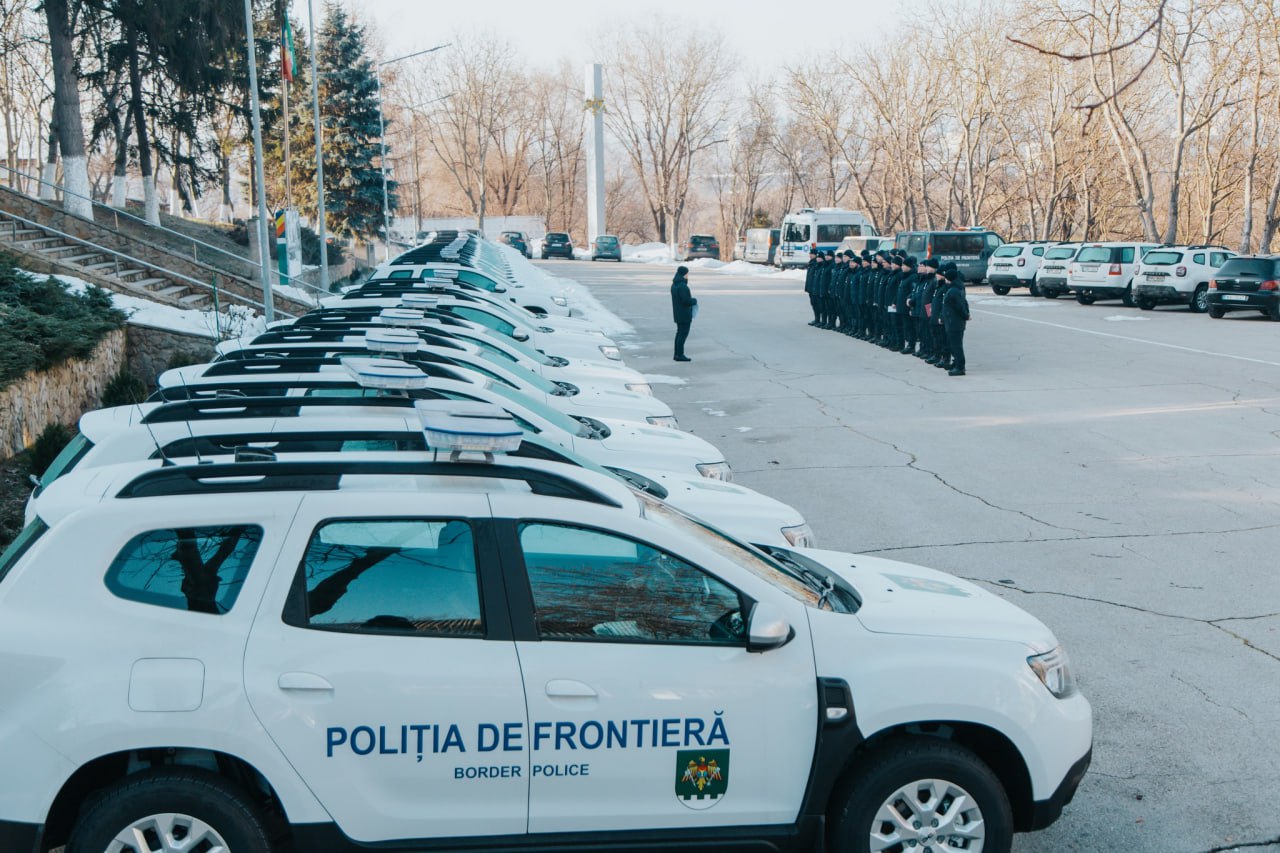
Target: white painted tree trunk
[
  {"x": 152, "y": 200},
  {"x": 75, "y": 179},
  {"x": 48, "y": 177},
  {"x": 119, "y": 192}
]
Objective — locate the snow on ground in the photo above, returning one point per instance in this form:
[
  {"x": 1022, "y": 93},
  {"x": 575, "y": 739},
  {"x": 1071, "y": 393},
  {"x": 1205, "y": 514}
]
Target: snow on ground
[
  {"x": 579, "y": 298},
  {"x": 660, "y": 254},
  {"x": 237, "y": 321},
  {"x": 1125, "y": 318},
  {"x": 663, "y": 379}
]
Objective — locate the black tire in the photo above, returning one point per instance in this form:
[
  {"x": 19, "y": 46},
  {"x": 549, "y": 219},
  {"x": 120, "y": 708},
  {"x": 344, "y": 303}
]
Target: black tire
[
  {"x": 1127, "y": 297},
  {"x": 1146, "y": 303},
  {"x": 1274, "y": 313},
  {"x": 1216, "y": 313},
  {"x": 1200, "y": 299},
  {"x": 896, "y": 765},
  {"x": 1000, "y": 289},
  {"x": 1050, "y": 294},
  {"x": 1033, "y": 288},
  {"x": 1086, "y": 298},
  {"x": 184, "y": 791}
]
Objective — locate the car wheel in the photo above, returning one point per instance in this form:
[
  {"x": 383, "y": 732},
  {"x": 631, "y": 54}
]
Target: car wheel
[
  {"x": 1146, "y": 304},
  {"x": 1127, "y": 298},
  {"x": 1086, "y": 298},
  {"x": 920, "y": 794},
  {"x": 1216, "y": 313},
  {"x": 1200, "y": 300},
  {"x": 1050, "y": 294},
  {"x": 170, "y": 810},
  {"x": 1033, "y": 289},
  {"x": 1000, "y": 289},
  {"x": 1274, "y": 313}
]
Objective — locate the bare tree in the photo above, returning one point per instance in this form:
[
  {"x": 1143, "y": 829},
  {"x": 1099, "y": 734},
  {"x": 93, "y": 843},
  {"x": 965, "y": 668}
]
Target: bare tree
[
  {"x": 741, "y": 165},
  {"x": 666, "y": 104},
  {"x": 61, "y": 16}
]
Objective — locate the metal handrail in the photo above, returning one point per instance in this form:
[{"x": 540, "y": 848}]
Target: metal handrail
[
  {"x": 118, "y": 256},
  {"x": 117, "y": 213}
]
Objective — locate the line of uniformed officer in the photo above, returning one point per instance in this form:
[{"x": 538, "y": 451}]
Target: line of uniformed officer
[{"x": 889, "y": 298}]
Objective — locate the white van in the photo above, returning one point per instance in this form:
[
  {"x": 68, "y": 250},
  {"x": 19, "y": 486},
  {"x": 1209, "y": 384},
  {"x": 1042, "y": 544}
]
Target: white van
[{"x": 807, "y": 231}]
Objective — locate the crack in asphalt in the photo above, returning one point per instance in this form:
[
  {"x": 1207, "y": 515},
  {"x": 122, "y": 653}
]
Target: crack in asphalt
[
  {"x": 1213, "y": 623},
  {"x": 1207, "y": 697},
  {"x": 1086, "y": 538},
  {"x": 1274, "y": 842}
]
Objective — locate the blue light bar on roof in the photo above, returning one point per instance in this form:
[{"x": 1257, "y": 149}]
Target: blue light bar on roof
[
  {"x": 401, "y": 317},
  {"x": 385, "y": 373},
  {"x": 391, "y": 340},
  {"x": 465, "y": 426}
]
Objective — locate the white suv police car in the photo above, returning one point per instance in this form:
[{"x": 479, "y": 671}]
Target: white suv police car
[
  {"x": 1178, "y": 274},
  {"x": 483, "y": 655}
]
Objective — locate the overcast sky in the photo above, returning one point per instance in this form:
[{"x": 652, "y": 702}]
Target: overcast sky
[{"x": 764, "y": 35}]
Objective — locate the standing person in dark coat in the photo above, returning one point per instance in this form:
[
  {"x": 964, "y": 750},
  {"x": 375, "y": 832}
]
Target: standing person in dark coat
[
  {"x": 868, "y": 279},
  {"x": 942, "y": 356},
  {"x": 829, "y": 290},
  {"x": 923, "y": 299},
  {"x": 682, "y": 309},
  {"x": 906, "y": 326},
  {"x": 810, "y": 273},
  {"x": 955, "y": 316}
]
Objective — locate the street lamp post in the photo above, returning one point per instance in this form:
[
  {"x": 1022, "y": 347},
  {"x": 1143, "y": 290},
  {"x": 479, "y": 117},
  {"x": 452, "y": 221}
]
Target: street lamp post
[
  {"x": 382, "y": 141},
  {"x": 321, "y": 225},
  {"x": 268, "y": 306}
]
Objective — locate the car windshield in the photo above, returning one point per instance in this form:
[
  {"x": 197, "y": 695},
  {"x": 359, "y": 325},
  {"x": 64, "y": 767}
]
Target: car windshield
[
  {"x": 542, "y": 410},
  {"x": 1007, "y": 251},
  {"x": 1060, "y": 253},
  {"x": 1248, "y": 268},
  {"x": 794, "y": 232},
  {"x": 1161, "y": 259},
  {"x": 1094, "y": 255},
  {"x": 764, "y": 567},
  {"x": 66, "y": 460},
  {"x": 521, "y": 373}
]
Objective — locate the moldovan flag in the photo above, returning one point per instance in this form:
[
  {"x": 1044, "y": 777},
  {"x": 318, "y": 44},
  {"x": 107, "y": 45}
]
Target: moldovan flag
[{"x": 286, "y": 51}]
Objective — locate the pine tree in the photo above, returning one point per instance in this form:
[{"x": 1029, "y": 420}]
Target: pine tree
[{"x": 349, "y": 116}]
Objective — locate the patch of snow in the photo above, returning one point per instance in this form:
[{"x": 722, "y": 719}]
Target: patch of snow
[
  {"x": 236, "y": 321},
  {"x": 647, "y": 253},
  {"x": 743, "y": 429},
  {"x": 1125, "y": 318},
  {"x": 663, "y": 379},
  {"x": 580, "y": 299},
  {"x": 715, "y": 413}
]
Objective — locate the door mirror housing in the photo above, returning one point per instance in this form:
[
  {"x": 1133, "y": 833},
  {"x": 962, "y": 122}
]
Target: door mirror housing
[{"x": 768, "y": 629}]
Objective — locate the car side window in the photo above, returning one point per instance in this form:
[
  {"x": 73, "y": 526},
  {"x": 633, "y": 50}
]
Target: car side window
[
  {"x": 592, "y": 586},
  {"x": 484, "y": 319},
  {"x": 1038, "y": 251},
  {"x": 1126, "y": 255},
  {"x": 1198, "y": 257},
  {"x": 1217, "y": 259},
  {"x": 389, "y": 576},
  {"x": 199, "y": 569}
]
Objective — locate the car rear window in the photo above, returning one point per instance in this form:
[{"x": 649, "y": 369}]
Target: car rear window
[
  {"x": 1249, "y": 268},
  {"x": 1007, "y": 252},
  {"x": 1061, "y": 253},
  {"x": 607, "y": 241},
  {"x": 1161, "y": 258},
  {"x": 21, "y": 545},
  {"x": 1098, "y": 255},
  {"x": 199, "y": 569},
  {"x": 556, "y": 235},
  {"x": 958, "y": 244},
  {"x": 700, "y": 240}
]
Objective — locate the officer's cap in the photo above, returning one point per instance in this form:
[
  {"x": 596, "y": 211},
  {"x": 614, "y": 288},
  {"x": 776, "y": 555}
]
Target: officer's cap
[
  {"x": 909, "y": 260},
  {"x": 931, "y": 263},
  {"x": 951, "y": 273}
]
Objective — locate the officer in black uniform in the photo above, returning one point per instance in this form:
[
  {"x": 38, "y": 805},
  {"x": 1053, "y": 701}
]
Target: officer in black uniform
[
  {"x": 943, "y": 355},
  {"x": 906, "y": 327},
  {"x": 855, "y": 296},
  {"x": 890, "y": 301},
  {"x": 838, "y": 270},
  {"x": 810, "y": 273},
  {"x": 920, "y": 307},
  {"x": 828, "y": 270},
  {"x": 955, "y": 316}
]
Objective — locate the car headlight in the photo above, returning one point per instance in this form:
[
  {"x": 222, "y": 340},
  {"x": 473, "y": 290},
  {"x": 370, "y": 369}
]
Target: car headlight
[
  {"x": 560, "y": 300},
  {"x": 1053, "y": 668},
  {"x": 611, "y": 353},
  {"x": 800, "y": 536},
  {"x": 668, "y": 421},
  {"x": 640, "y": 388},
  {"x": 716, "y": 471}
]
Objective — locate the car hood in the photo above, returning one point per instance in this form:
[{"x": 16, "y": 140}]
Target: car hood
[{"x": 902, "y": 598}]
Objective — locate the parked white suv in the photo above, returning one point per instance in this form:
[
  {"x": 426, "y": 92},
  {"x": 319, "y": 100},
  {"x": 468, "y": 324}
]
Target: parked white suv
[
  {"x": 1178, "y": 274},
  {"x": 1051, "y": 277},
  {"x": 1105, "y": 271},
  {"x": 479, "y": 655},
  {"x": 1015, "y": 265}
]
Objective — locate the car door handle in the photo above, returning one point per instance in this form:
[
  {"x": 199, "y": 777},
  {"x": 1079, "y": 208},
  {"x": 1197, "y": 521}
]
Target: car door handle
[
  {"x": 303, "y": 681},
  {"x": 564, "y": 688}
]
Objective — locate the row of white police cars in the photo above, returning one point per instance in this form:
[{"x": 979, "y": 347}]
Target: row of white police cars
[{"x": 429, "y": 568}]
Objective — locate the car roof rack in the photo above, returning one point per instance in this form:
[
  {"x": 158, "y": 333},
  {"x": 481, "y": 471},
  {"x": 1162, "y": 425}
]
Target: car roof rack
[
  {"x": 326, "y": 475},
  {"x": 224, "y": 408},
  {"x": 309, "y": 364},
  {"x": 238, "y": 392},
  {"x": 286, "y": 337}
]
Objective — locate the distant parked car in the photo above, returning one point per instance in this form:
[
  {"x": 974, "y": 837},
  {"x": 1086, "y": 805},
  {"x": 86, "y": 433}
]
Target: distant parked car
[
  {"x": 1105, "y": 271},
  {"x": 700, "y": 246},
  {"x": 1178, "y": 275},
  {"x": 969, "y": 250},
  {"x": 1014, "y": 265},
  {"x": 1249, "y": 282},
  {"x": 557, "y": 243},
  {"x": 762, "y": 245},
  {"x": 517, "y": 240},
  {"x": 858, "y": 244},
  {"x": 606, "y": 248},
  {"x": 1051, "y": 278}
]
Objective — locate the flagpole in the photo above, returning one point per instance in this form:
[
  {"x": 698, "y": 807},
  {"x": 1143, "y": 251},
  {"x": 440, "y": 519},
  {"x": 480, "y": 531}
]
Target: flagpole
[
  {"x": 288, "y": 182},
  {"x": 268, "y": 306},
  {"x": 286, "y": 79},
  {"x": 315, "y": 112}
]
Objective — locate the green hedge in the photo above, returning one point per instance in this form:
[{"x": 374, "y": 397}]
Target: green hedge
[{"x": 43, "y": 324}]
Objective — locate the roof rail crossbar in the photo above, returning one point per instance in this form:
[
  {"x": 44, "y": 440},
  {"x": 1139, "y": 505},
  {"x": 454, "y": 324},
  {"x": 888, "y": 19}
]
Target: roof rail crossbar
[
  {"x": 270, "y": 363},
  {"x": 261, "y": 407},
  {"x": 245, "y": 477}
]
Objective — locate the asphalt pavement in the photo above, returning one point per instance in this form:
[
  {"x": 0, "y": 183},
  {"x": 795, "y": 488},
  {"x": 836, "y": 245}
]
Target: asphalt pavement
[{"x": 1114, "y": 472}]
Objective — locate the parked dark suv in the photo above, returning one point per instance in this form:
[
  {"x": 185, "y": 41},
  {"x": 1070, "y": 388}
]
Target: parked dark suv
[
  {"x": 700, "y": 246},
  {"x": 969, "y": 249},
  {"x": 516, "y": 240},
  {"x": 557, "y": 243},
  {"x": 1246, "y": 284}
]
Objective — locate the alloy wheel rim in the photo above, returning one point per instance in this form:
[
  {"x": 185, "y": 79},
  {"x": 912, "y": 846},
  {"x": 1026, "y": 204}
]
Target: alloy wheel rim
[
  {"x": 168, "y": 832},
  {"x": 928, "y": 816}
]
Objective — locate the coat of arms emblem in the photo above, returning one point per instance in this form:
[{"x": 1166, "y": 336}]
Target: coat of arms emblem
[{"x": 702, "y": 776}]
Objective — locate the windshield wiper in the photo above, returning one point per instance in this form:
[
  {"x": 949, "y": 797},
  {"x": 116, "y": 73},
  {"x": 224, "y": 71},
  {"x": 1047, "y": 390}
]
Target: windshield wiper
[{"x": 824, "y": 587}]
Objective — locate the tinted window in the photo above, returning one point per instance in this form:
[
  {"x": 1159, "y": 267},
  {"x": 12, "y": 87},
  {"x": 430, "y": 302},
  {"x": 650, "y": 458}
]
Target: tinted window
[
  {"x": 993, "y": 241},
  {"x": 1007, "y": 252},
  {"x": 957, "y": 244},
  {"x": 594, "y": 586},
  {"x": 1038, "y": 251},
  {"x": 200, "y": 569},
  {"x": 1217, "y": 259},
  {"x": 392, "y": 576},
  {"x": 21, "y": 545},
  {"x": 66, "y": 460},
  {"x": 701, "y": 240},
  {"x": 1198, "y": 257},
  {"x": 1126, "y": 255},
  {"x": 607, "y": 241},
  {"x": 1161, "y": 258},
  {"x": 916, "y": 244},
  {"x": 836, "y": 233},
  {"x": 1248, "y": 268},
  {"x": 1094, "y": 255},
  {"x": 1061, "y": 253},
  {"x": 794, "y": 232},
  {"x": 557, "y": 236},
  {"x": 401, "y": 274},
  {"x": 484, "y": 318}
]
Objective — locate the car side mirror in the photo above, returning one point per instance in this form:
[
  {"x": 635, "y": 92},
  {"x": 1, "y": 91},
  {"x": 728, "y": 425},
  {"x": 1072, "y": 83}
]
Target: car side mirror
[
  {"x": 768, "y": 629},
  {"x": 520, "y": 336}
]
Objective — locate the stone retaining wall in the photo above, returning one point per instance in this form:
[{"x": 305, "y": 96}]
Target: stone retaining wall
[
  {"x": 58, "y": 395},
  {"x": 151, "y": 351}
]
